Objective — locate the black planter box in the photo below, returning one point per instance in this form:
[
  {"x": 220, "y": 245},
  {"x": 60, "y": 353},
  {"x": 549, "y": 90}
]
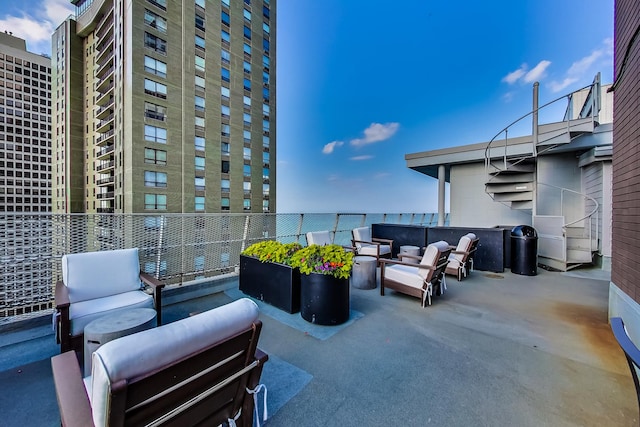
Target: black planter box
[
  {"x": 325, "y": 299},
  {"x": 275, "y": 284}
]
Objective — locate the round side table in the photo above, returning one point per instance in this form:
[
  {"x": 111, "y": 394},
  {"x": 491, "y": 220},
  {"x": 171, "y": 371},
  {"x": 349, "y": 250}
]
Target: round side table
[
  {"x": 363, "y": 274},
  {"x": 410, "y": 250},
  {"x": 115, "y": 325}
]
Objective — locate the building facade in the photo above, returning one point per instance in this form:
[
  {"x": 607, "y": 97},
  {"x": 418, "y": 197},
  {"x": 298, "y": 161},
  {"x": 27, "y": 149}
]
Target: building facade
[
  {"x": 25, "y": 128},
  {"x": 165, "y": 106}
]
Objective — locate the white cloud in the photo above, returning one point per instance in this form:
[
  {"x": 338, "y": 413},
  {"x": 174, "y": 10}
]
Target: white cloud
[
  {"x": 38, "y": 24},
  {"x": 328, "y": 148},
  {"x": 558, "y": 86},
  {"x": 514, "y": 76},
  {"x": 585, "y": 67},
  {"x": 376, "y": 132},
  {"x": 359, "y": 158},
  {"x": 508, "y": 97},
  {"x": 537, "y": 72}
]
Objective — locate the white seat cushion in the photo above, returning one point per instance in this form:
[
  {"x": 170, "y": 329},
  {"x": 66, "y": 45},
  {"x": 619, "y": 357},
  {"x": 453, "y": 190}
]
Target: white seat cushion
[
  {"x": 363, "y": 234},
  {"x": 373, "y": 250},
  {"x": 404, "y": 274},
  {"x": 321, "y": 238},
  {"x": 83, "y": 312},
  {"x": 91, "y": 275},
  {"x": 146, "y": 351}
]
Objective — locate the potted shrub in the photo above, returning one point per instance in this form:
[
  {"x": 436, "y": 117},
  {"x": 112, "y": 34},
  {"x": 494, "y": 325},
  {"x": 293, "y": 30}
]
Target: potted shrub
[
  {"x": 265, "y": 274},
  {"x": 324, "y": 283}
]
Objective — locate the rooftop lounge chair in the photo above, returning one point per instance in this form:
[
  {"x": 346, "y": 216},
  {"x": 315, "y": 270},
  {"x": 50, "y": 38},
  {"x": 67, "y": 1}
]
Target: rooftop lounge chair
[
  {"x": 461, "y": 258},
  {"x": 365, "y": 244},
  {"x": 416, "y": 280},
  {"x": 322, "y": 238},
  {"x": 203, "y": 369},
  {"x": 96, "y": 283}
]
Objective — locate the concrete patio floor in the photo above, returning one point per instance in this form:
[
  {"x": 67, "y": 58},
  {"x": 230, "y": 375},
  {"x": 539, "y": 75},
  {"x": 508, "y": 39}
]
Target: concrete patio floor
[{"x": 495, "y": 350}]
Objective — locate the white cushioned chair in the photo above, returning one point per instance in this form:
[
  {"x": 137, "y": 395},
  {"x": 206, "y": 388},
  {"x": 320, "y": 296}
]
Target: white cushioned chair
[
  {"x": 365, "y": 244},
  {"x": 96, "y": 283},
  {"x": 461, "y": 258},
  {"x": 198, "y": 370},
  {"x": 416, "y": 279},
  {"x": 321, "y": 238}
]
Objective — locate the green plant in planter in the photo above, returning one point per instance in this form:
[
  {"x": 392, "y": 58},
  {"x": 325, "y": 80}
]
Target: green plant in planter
[
  {"x": 332, "y": 260},
  {"x": 273, "y": 251}
]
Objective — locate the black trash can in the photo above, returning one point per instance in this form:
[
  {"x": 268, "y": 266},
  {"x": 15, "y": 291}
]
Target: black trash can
[{"x": 524, "y": 250}]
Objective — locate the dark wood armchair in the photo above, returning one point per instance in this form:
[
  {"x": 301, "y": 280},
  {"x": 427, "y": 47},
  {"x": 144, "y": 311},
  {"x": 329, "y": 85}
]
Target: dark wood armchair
[
  {"x": 96, "y": 283},
  {"x": 195, "y": 371}
]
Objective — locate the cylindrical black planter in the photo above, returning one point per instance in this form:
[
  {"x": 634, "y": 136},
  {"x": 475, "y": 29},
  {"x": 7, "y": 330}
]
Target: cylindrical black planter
[{"x": 324, "y": 300}]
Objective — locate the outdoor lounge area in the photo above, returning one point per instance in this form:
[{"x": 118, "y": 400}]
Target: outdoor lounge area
[{"x": 497, "y": 349}]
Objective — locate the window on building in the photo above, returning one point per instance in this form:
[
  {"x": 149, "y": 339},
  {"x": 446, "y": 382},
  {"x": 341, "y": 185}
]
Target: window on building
[
  {"x": 199, "y": 122},
  {"x": 162, "y": 4},
  {"x": 224, "y": 203},
  {"x": 154, "y": 66},
  {"x": 265, "y": 27},
  {"x": 265, "y": 157},
  {"x": 265, "y": 173},
  {"x": 246, "y": 204},
  {"x": 155, "y": 201},
  {"x": 155, "y": 134},
  {"x": 225, "y": 56},
  {"x": 246, "y": 66},
  {"x": 265, "y": 78},
  {"x": 246, "y": 187},
  {"x": 225, "y": 130},
  {"x": 154, "y": 111},
  {"x": 153, "y": 156},
  {"x": 246, "y": 48},
  {"x": 199, "y": 63},
  {"x": 155, "y": 179},
  {"x": 247, "y": 15},
  {"x": 155, "y": 21},
  {"x": 265, "y": 94},
  {"x": 155, "y": 89},
  {"x": 198, "y": 260},
  {"x": 225, "y": 36},
  {"x": 199, "y": 103},
  {"x": 155, "y": 43},
  {"x": 225, "y": 185},
  {"x": 224, "y": 17},
  {"x": 265, "y": 45},
  {"x": 199, "y": 183},
  {"x": 246, "y": 117},
  {"x": 200, "y": 3},
  {"x": 246, "y": 153},
  {"x": 225, "y": 148},
  {"x": 225, "y": 166},
  {"x": 265, "y": 125},
  {"x": 246, "y": 134},
  {"x": 224, "y": 91},
  {"x": 265, "y": 141},
  {"x": 200, "y": 143},
  {"x": 246, "y": 100},
  {"x": 200, "y": 22},
  {"x": 247, "y": 33},
  {"x": 199, "y": 42},
  {"x": 199, "y": 83},
  {"x": 265, "y": 189},
  {"x": 199, "y": 163},
  {"x": 246, "y": 170},
  {"x": 225, "y": 74},
  {"x": 225, "y": 110},
  {"x": 265, "y": 62},
  {"x": 265, "y": 110}
]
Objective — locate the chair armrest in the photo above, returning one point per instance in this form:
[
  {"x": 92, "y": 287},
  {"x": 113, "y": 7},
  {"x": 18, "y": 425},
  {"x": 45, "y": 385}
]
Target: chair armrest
[
  {"x": 61, "y": 295},
  {"x": 156, "y": 286},
  {"x": 150, "y": 280},
  {"x": 416, "y": 257},
  {"x": 73, "y": 402},
  {"x": 366, "y": 242},
  {"x": 384, "y": 261},
  {"x": 381, "y": 240}
]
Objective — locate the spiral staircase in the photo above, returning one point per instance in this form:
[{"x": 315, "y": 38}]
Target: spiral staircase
[{"x": 565, "y": 240}]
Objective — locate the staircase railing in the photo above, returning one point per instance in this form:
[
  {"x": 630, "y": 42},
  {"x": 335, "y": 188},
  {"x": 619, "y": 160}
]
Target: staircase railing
[{"x": 594, "y": 99}]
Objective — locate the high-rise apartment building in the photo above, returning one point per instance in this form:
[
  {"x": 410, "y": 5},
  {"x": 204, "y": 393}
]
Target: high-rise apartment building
[
  {"x": 25, "y": 128},
  {"x": 165, "y": 106}
]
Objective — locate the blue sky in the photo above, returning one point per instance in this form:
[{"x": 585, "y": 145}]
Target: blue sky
[{"x": 361, "y": 83}]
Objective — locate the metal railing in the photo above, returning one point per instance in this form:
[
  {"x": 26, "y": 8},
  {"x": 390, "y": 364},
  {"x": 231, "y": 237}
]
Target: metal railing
[{"x": 175, "y": 248}]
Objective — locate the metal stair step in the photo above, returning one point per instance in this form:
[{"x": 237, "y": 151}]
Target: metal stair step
[
  {"x": 509, "y": 187},
  {"x": 513, "y": 197}
]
